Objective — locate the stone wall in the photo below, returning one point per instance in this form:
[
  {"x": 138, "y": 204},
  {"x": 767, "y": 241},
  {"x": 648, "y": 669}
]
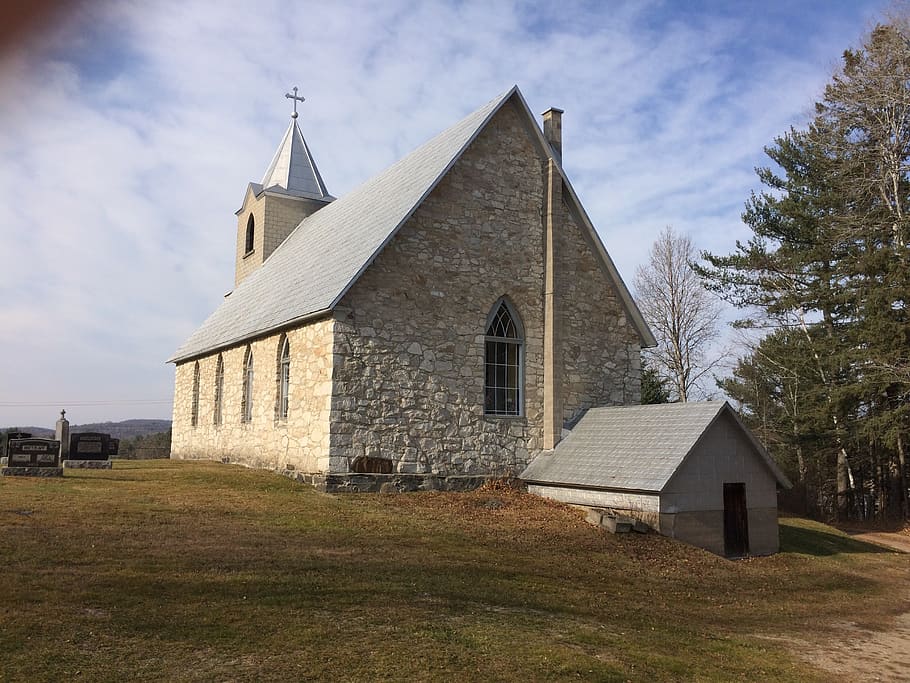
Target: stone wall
[
  {"x": 397, "y": 374},
  {"x": 601, "y": 349},
  {"x": 409, "y": 345},
  {"x": 300, "y": 443}
]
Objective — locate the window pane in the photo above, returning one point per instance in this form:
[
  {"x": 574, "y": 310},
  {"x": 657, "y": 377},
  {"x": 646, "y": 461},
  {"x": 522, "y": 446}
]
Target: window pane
[{"x": 502, "y": 366}]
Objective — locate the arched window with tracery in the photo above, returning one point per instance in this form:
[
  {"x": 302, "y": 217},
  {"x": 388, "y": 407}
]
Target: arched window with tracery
[
  {"x": 284, "y": 379},
  {"x": 503, "y": 361},
  {"x": 219, "y": 390},
  {"x": 194, "y": 410},
  {"x": 250, "y": 233},
  {"x": 246, "y": 398}
]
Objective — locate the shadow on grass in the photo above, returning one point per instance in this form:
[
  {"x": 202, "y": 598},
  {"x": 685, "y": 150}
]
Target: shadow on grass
[{"x": 817, "y": 542}]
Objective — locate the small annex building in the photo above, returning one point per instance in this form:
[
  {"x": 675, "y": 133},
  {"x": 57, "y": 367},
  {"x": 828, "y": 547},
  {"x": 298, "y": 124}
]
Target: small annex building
[
  {"x": 693, "y": 471},
  {"x": 438, "y": 325}
]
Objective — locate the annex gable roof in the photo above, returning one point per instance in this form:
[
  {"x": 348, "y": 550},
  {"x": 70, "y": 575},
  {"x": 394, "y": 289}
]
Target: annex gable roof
[
  {"x": 309, "y": 273},
  {"x": 636, "y": 448}
]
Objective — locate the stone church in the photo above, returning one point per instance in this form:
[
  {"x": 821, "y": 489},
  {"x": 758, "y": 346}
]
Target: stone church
[{"x": 444, "y": 322}]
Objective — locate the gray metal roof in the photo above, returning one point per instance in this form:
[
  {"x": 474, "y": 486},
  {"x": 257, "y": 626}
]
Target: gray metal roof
[
  {"x": 321, "y": 259},
  {"x": 293, "y": 171},
  {"x": 632, "y": 447}
]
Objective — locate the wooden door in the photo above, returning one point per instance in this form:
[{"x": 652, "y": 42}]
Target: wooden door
[{"x": 736, "y": 521}]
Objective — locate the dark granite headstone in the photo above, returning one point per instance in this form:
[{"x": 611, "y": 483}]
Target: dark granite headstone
[
  {"x": 4, "y": 446},
  {"x": 33, "y": 453},
  {"x": 90, "y": 446}
]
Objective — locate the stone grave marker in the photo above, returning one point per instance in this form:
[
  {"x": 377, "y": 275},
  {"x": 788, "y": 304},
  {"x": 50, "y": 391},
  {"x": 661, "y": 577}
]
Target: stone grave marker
[
  {"x": 91, "y": 450},
  {"x": 4, "y": 451},
  {"x": 18, "y": 435},
  {"x": 33, "y": 458}
]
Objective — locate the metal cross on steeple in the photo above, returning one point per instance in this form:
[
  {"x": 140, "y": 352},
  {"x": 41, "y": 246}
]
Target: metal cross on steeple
[{"x": 296, "y": 100}]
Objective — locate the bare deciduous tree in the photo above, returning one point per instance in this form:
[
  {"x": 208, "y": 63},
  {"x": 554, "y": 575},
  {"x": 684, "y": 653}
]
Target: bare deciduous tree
[{"x": 681, "y": 313}]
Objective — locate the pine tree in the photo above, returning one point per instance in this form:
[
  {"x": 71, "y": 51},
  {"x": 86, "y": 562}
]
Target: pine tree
[
  {"x": 828, "y": 266},
  {"x": 653, "y": 387}
]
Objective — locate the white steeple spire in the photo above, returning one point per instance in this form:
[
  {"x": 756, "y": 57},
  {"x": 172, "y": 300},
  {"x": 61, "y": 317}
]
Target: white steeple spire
[{"x": 293, "y": 170}]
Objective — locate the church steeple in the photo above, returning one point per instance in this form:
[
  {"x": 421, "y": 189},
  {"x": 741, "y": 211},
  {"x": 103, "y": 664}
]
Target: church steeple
[
  {"x": 291, "y": 190},
  {"x": 293, "y": 170}
]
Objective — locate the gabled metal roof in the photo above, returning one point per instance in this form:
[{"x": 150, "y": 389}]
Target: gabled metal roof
[
  {"x": 293, "y": 171},
  {"x": 309, "y": 273},
  {"x": 636, "y": 448}
]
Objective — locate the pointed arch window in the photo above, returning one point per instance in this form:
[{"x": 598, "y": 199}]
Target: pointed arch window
[
  {"x": 250, "y": 234},
  {"x": 219, "y": 390},
  {"x": 284, "y": 379},
  {"x": 246, "y": 398},
  {"x": 503, "y": 362},
  {"x": 194, "y": 410}
]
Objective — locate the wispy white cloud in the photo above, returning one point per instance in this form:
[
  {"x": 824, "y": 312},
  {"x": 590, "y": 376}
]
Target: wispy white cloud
[{"x": 127, "y": 137}]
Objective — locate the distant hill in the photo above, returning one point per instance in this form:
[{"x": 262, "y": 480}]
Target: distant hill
[{"x": 126, "y": 429}]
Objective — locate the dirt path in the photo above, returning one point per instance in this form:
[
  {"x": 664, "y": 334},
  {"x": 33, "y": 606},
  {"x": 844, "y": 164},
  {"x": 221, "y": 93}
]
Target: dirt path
[
  {"x": 896, "y": 541},
  {"x": 860, "y": 654}
]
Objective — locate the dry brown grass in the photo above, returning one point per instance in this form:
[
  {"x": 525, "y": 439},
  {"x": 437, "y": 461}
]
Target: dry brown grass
[{"x": 173, "y": 571}]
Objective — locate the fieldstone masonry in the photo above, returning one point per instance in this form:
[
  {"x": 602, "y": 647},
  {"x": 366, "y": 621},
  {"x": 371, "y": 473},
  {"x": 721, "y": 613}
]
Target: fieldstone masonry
[
  {"x": 301, "y": 441},
  {"x": 396, "y": 373},
  {"x": 410, "y": 381}
]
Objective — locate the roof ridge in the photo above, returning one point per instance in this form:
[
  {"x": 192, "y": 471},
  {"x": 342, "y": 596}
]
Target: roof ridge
[
  {"x": 343, "y": 238},
  {"x": 339, "y": 241}
]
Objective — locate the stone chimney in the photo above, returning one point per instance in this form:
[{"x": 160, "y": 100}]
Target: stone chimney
[{"x": 552, "y": 130}]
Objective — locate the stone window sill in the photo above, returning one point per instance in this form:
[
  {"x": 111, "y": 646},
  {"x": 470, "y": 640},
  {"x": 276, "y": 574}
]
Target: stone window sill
[
  {"x": 249, "y": 253},
  {"x": 496, "y": 418}
]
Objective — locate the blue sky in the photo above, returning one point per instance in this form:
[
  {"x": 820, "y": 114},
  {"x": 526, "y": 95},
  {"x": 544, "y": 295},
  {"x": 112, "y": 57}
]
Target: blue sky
[{"x": 129, "y": 132}]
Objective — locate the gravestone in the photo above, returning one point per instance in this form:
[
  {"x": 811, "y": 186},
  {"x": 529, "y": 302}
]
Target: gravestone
[
  {"x": 4, "y": 445},
  {"x": 33, "y": 458},
  {"x": 62, "y": 434},
  {"x": 91, "y": 450},
  {"x": 18, "y": 435}
]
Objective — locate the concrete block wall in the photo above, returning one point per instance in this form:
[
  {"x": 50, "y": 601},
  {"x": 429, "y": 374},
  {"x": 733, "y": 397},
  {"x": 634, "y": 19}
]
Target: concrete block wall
[
  {"x": 246, "y": 262},
  {"x": 643, "y": 506},
  {"x": 692, "y": 502},
  {"x": 724, "y": 454},
  {"x": 282, "y": 215},
  {"x": 275, "y": 218}
]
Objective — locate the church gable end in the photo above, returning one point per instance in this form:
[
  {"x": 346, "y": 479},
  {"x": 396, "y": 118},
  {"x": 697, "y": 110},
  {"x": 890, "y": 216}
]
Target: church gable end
[{"x": 409, "y": 376}]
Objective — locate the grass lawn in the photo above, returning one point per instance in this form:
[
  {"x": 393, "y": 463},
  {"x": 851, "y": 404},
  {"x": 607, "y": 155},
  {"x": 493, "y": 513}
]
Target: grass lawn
[{"x": 180, "y": 571}]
